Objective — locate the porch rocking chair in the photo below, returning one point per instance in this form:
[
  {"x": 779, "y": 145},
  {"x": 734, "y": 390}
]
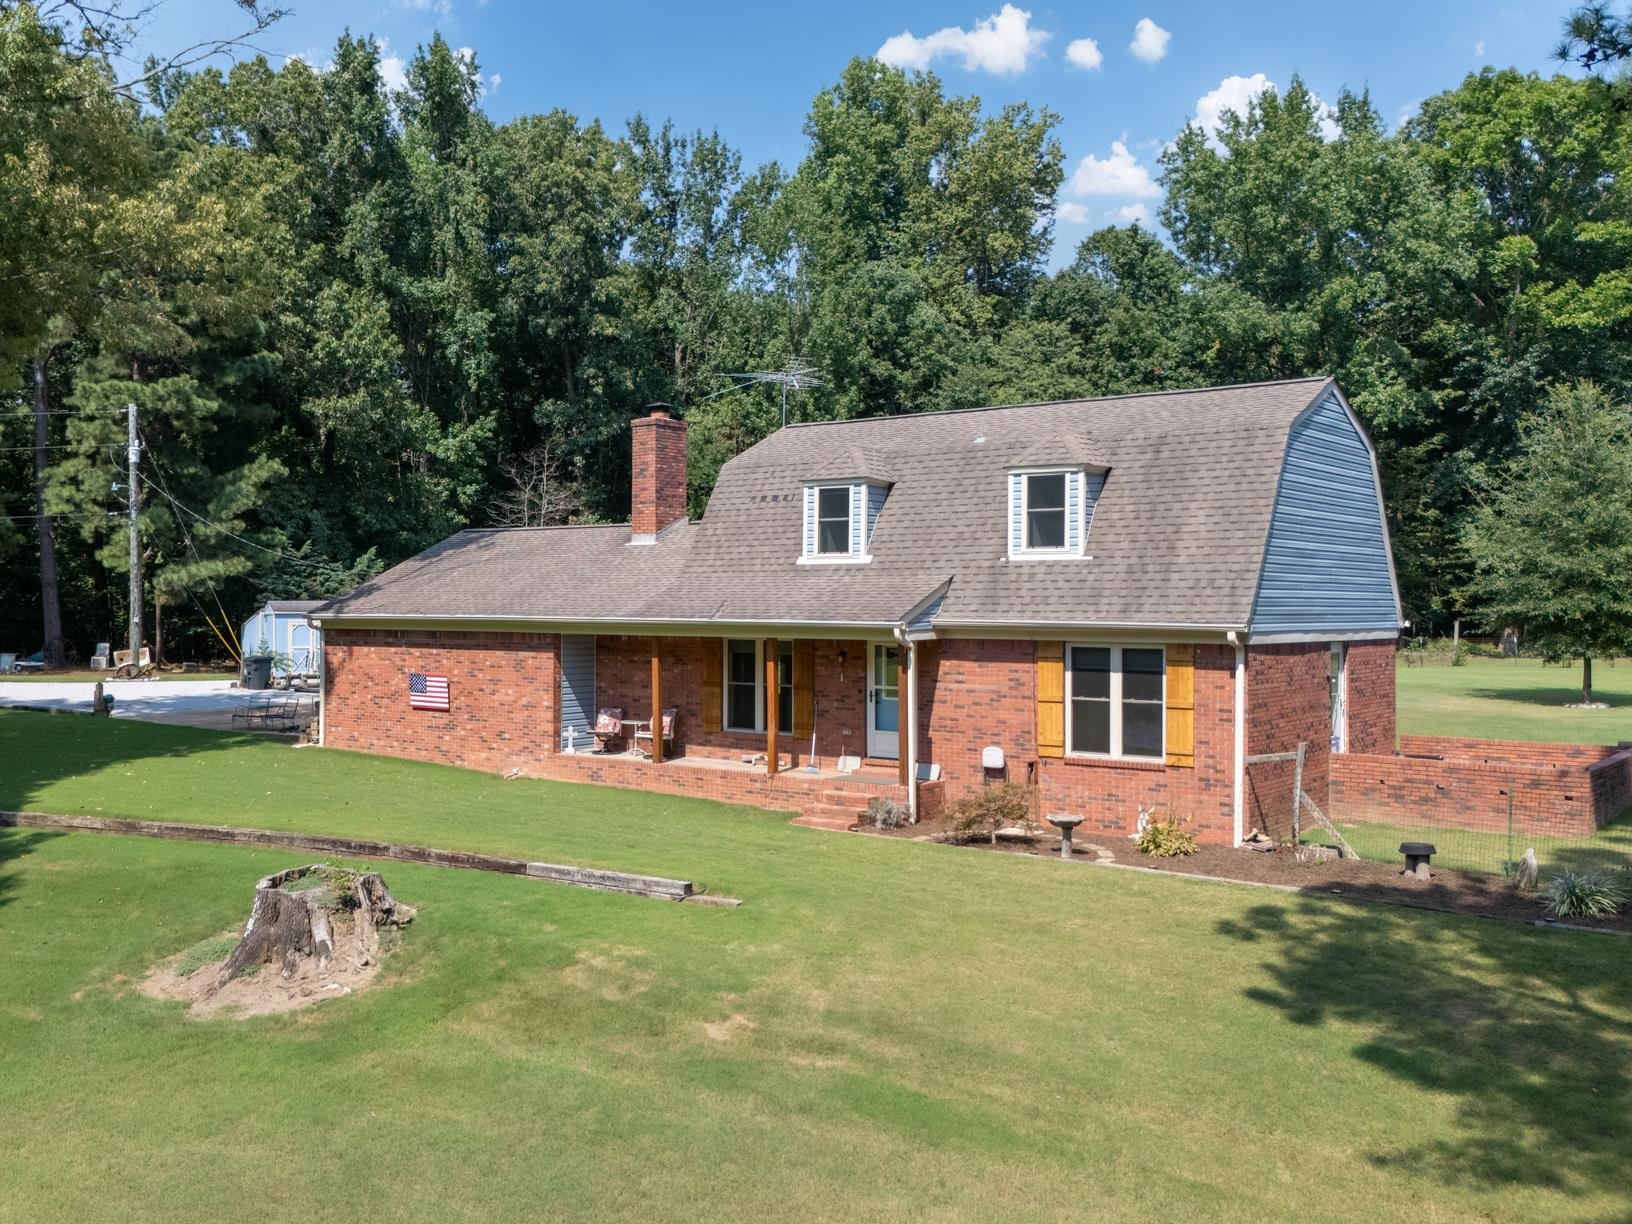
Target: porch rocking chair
[
  {"x": 608, "y": 726},
  {"x": 670, "y": 716}
]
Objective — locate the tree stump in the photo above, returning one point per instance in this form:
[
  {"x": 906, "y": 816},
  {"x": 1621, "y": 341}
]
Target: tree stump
[{"x": 297, "y": 913}]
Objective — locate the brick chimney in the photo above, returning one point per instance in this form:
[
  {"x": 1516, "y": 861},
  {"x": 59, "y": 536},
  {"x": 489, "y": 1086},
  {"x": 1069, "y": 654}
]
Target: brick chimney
[{"x": 658, "y": 488}]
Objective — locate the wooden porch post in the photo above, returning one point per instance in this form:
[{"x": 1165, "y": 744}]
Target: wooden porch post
[
  {"x": 657, "y": 707},
  {"x": 773, "y": 695}
]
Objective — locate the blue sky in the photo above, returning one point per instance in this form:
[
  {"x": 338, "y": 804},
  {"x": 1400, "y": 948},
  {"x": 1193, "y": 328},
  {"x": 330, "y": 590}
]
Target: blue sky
[{"x": 1124, "y": 77}]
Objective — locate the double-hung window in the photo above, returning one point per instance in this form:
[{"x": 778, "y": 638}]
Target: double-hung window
[
  {"x": 833, "y": 521},
  {"x": 745, "y": 686},
  {"x": 1115, "y": 701},
  {"x": 1044, "y": 517}
]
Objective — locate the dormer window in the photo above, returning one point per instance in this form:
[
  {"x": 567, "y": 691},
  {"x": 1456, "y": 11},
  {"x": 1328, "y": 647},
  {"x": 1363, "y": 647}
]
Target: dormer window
[
  {"x": 1050, "y": 510},
  {"x": 839, "y": 519},
  {"x": 833, "y": 521},
  {"x": 1045, "y": 511}
]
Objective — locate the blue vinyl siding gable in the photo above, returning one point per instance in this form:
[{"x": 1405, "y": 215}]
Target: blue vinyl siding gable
[
  {"x": 1326, "y": 564},
  {"x": 875, "y": 506},
  {"x": 857, "y": 521}
]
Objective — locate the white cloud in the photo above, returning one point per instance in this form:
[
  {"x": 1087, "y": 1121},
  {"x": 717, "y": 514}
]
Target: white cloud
[
  {"x": 1085, "y": 53},
  {"x": 1003, "y": 43},
  {"x": 1120, "y": 174},
  {"x": 1236, "y": 93},
  {"x": 442, "y": 8},
  {"x": 1149, "y": 40},
  {"x": 393, "y": 71},
  {"x": 1129, "y": 214},
  {"x": 1071, "y": 212},
  {"x": 493, "y": 82},
  {"x": 1479, "y": 49}
]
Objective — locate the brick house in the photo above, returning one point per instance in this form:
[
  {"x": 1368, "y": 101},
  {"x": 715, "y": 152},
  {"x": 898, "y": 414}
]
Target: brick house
[{"x": 1117, "y": 600}]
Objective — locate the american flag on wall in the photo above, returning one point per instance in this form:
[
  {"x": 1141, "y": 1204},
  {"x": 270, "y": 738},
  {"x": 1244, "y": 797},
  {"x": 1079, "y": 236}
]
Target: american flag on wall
[{"x": 427, "y": 692}]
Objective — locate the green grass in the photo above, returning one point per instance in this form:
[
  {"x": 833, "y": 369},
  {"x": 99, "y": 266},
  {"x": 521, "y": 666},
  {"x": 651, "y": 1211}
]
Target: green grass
[
  {"x": 204, "y": 952},
  {"x": 1468, "y": 850},
  {"x": 885, "y": 1030},
  {"x": 1522, "y": 699}
]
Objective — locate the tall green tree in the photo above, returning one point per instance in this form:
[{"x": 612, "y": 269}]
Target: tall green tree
[{"x": 1551, "y": 541}]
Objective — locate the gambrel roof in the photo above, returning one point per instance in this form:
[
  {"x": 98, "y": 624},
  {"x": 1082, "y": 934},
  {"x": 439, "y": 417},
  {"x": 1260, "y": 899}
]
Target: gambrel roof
[{"x": 1177, "y": 538}]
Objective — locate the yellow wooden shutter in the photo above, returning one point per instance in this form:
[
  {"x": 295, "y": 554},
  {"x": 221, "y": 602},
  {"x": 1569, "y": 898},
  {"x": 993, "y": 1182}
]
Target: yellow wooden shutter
[
  {"x": 713, "y": 683},
  {"x": 1181, "y": 706},
  {"x": 804, "y": 689},
  {"x": 1051, "y": 699}
]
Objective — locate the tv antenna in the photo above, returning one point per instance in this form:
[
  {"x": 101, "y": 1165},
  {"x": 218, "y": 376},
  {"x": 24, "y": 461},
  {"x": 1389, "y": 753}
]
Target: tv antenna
[{"x": 797, "y": 375}]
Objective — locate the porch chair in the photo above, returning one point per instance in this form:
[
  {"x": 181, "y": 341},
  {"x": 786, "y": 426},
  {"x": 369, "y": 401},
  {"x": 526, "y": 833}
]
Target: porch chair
[
  {"x": 608, "y": 726},
  {"x": 670, "y": 717}
]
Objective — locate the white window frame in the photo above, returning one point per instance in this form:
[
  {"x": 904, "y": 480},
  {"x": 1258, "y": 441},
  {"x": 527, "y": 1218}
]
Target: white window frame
[
  {"x": 1026, "y": 551},
  {"x": 849, "y": 491},
  {"x": 1116, "y": 753},
  {"x": 784, "y": 679},
  {"x": 812, "y": 524}
]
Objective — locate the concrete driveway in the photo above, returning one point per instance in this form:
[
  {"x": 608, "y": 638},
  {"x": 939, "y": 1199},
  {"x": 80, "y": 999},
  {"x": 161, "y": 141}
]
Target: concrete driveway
[{"x": 191, "y": 703}]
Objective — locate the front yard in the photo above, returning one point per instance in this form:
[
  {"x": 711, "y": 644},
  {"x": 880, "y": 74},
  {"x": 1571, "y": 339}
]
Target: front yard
[{"x": 884, "y": 1030}]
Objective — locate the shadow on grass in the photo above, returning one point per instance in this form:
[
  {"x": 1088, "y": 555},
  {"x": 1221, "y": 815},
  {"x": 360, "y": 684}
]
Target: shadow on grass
[
  {"x": 1529, "y": 1032},
  {"x": 15, "y": 844},
  {"x": 1554, "y": 698},
  {"x": 39, "y": 749}
]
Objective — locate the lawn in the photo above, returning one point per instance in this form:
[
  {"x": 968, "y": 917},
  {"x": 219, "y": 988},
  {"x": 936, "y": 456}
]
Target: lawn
[
  {"x": 885, "y": 1030},
  {"x": 1522, "y": 699}
]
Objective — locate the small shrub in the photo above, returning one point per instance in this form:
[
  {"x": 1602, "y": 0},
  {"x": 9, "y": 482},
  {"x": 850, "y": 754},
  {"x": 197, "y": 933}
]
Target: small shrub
[
  {"x": 1584, "y": 894},
  {"x": 1166, "y": 837},
  {"x": 886, "y": 813},
  {"x": 983, "y": 812}
]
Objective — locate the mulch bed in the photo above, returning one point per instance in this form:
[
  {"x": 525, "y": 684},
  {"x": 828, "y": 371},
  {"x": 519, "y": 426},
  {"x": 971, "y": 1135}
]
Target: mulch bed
[{"x": 1460, "y": 892}]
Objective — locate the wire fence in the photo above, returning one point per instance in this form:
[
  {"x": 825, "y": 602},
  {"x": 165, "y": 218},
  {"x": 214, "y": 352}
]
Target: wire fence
[{"x": 1491, "y": 838}]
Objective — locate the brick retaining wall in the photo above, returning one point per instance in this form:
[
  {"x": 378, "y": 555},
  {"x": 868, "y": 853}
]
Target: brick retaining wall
[{"x": 1557, "y": 790}]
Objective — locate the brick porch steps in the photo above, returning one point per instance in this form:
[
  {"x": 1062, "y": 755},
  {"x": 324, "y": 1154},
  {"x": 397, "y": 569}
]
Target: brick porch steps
[{"x": 827, "y": 816}]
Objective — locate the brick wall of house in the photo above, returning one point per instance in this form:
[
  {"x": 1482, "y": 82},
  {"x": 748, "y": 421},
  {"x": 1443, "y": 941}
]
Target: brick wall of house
[
  {"x": 1370, "y": 669},
  {"x": 1288, "y": 700},
  {"x": 978, "y": 693},
  {"x": 502, "y": 695},
  {"x": 1557, "y": 790}
]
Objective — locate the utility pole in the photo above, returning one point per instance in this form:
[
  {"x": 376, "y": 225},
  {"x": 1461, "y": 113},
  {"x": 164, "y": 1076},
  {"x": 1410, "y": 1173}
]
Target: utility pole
[{"x": 133, "y": 453}]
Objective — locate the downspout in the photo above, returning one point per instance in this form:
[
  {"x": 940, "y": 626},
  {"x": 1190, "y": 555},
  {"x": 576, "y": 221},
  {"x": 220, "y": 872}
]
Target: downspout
[
  {"x": 909, "y": 657},
  {"x": 322, "y": 683},
  {"x": 1240, "y": 721}
]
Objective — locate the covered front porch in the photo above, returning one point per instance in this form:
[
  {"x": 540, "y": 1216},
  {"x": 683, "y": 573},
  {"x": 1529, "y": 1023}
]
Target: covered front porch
[{"x": 776, "y": 703}]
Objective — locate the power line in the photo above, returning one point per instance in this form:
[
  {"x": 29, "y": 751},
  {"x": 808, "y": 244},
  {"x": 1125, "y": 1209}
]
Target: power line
[
  {"x": 188, "y": 537},
  {"x": 283, "y": 556},
  {"x": 23, "y": 518}
]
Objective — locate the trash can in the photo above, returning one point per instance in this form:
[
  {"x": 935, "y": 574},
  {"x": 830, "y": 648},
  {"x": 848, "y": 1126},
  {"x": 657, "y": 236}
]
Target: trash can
[{"x": 257, "y": 671}]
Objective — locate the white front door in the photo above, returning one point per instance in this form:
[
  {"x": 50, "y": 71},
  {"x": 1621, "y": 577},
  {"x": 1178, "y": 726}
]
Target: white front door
[{"x": 884, "y": 702}]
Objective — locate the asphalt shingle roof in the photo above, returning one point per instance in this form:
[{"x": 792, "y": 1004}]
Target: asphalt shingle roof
[{"x": 1177, "y": 537}]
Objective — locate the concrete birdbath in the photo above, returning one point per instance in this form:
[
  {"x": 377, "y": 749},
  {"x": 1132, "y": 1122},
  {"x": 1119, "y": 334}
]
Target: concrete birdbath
[
  {"x": 1065, "y": 823},
  {"x": 1417, "y": 855}
]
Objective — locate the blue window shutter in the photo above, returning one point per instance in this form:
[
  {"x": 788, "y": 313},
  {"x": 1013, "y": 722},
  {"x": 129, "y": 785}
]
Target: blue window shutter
[
  {"x": 810, "y": 521},
  {"x": 857, "y": 519},
  {"x": 1017, "y": 530}
]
